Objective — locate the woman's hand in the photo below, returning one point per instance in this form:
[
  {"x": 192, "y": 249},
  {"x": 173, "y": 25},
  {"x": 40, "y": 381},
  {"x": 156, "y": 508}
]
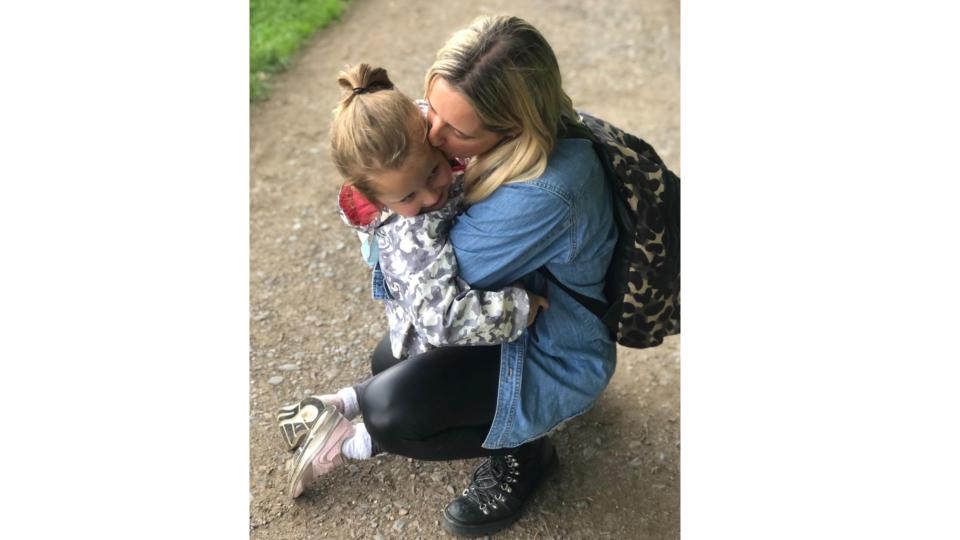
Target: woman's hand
[{"x": 536, "y": 303}]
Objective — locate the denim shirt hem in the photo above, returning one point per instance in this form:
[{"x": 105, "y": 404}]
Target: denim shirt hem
[{"x": 508, "y": 396}]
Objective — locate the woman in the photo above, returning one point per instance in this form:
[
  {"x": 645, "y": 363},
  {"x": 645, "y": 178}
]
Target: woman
[{"x": 494, "y": 95}]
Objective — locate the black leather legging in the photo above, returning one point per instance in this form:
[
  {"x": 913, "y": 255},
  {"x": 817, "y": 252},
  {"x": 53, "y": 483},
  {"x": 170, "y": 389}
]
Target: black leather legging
[{"x": 434, "y": 406}]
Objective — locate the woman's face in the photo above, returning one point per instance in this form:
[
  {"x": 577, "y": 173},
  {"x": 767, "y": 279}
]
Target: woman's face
[{"x": 454, "y": 126}]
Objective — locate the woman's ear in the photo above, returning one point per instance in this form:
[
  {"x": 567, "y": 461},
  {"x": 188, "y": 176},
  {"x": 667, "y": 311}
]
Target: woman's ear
[{"x": 512, "y": 134}]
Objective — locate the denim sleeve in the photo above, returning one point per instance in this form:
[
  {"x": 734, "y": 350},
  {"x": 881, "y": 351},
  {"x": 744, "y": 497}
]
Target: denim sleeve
[{"x": 513, "y": 232}]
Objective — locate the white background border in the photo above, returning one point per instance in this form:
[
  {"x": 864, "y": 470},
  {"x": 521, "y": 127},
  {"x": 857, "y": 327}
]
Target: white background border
[{"x": 820, "y": 280}]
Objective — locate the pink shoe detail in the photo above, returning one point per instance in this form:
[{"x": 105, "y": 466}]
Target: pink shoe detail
[{"x": 321, "y": 451}]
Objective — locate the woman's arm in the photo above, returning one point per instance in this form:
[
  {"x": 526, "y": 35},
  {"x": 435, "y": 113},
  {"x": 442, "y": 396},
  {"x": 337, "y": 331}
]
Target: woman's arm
[{"x": 512, "y": 233}]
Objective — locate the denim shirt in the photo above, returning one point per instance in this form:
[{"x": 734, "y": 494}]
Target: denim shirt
[{"x": 561, "y": 364}]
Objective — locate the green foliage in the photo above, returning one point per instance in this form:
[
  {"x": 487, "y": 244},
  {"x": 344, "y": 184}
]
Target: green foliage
[{"x": 277, "y": 28}]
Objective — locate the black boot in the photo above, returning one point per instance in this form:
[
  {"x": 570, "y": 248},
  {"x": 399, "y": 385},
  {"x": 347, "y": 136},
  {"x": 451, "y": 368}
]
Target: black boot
[{"x": 499, "y": 490}]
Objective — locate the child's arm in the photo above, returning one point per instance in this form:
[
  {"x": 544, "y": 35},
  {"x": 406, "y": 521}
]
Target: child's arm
[{"x": 421, "y": 271}]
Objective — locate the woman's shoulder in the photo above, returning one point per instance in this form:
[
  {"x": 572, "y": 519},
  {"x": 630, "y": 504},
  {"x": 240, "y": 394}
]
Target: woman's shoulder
[
  {"x": 571, "y": 168},
  {"x": 571, "y": 157}
]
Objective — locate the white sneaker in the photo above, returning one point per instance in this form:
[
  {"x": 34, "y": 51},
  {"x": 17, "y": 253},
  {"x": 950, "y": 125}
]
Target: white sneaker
[{"x": 296, "y": 420}]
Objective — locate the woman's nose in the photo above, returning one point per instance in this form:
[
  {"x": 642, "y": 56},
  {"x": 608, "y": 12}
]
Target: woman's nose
[{"x": 435, "y": 135}]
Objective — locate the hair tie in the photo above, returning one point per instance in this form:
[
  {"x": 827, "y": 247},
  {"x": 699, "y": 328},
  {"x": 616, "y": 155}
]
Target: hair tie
[{"x": 371, "y": 87}]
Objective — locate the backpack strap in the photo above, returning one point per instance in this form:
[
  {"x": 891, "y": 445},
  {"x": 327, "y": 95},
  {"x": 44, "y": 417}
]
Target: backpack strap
[{"x": 598, "y": 307}]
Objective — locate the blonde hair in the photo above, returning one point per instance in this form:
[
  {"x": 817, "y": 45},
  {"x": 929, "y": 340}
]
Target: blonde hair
[
  {"x": 506, "y": 69},
  {"x": 374, "y": 127}
]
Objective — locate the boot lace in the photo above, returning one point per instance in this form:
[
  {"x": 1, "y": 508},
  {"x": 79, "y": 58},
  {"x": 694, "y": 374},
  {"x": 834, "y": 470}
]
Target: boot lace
[{"x": 491, "y": 480}]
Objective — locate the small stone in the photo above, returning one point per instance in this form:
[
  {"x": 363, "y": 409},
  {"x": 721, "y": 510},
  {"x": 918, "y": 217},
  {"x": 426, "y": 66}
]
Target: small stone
[
  {"x": 300, "y": 355},
  {"x": 450, "y": 490},
  {"x": 402, "y": 511},
  {"x": 635, "y": 462},
  {"x": 378, "y": 536},
  {"x": 289, "y": 367},
  {"x": 399, "y": 524},
  {"x": 339, "y": 246},
  {"x": 261, "y": 316},
  {"x": 276, "y": 379},
  {"x": 357, "y": 290},
  {"x": 589, "y": 452}
]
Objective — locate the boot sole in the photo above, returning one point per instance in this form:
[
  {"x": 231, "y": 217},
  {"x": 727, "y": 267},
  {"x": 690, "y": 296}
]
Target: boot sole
[{"x": 472, "y": 531}]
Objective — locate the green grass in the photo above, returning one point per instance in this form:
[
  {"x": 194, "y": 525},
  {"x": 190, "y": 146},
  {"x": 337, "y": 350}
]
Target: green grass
[{"x": 277, "y": 29}]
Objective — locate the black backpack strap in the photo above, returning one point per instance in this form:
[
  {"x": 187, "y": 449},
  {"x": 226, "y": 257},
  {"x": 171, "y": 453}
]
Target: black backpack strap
[
  {"x": 608, "y": 315},
  {"x": 597, "y": 307}
]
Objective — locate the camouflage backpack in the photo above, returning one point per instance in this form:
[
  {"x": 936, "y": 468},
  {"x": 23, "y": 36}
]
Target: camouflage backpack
[{"x": 642, "y": 285}]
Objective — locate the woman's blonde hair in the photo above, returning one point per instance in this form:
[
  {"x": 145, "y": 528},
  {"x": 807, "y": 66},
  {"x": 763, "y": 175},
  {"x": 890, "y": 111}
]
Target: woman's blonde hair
[
  {"x": 374, "y": 127},
  {"x": 506, "y": 69}
]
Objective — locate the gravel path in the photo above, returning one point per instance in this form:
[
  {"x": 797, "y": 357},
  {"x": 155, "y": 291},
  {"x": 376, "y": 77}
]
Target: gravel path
[{"x": 313, "y": 325}]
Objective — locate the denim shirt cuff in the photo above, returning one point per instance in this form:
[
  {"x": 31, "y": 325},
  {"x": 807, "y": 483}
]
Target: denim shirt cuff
[{"x": 377, "y": 287}]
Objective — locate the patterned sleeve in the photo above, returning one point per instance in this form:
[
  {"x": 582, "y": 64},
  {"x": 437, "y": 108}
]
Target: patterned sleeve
[{"x": 421, "y": 271}]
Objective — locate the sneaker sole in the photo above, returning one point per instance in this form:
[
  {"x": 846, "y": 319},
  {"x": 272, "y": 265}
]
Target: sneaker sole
[{"x": 472, "y": 531}]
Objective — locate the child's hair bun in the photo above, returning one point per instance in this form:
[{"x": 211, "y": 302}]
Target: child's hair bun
[{"x": 363, "y": 79}]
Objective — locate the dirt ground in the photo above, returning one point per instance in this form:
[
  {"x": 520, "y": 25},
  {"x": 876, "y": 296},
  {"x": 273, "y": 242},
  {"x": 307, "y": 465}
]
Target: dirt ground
[{"x": 313, "y": 325}]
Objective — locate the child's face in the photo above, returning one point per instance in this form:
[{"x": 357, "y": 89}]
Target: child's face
[{"x": 420, "y": 185}]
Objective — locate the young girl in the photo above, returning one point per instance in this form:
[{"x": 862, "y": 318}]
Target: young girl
[{"x": 401, "y": 195}]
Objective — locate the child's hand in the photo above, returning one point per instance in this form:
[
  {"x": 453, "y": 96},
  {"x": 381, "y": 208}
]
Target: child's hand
[{"x": 536, "y": 303}]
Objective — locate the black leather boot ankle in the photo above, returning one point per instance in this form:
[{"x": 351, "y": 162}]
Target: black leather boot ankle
[{"x": 500, "y": 489}]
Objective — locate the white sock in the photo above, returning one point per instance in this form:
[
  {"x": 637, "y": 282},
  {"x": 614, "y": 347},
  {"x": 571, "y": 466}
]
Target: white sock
[
  {"x": 350, "y": 406},
  {"x": 360, "y": 446}
]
